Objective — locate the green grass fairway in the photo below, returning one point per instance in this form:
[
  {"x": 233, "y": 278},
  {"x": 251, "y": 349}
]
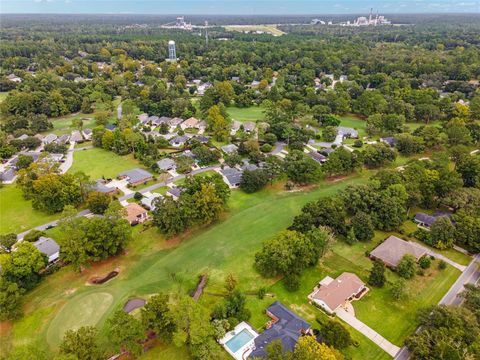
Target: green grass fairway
[
  {"x": 252, "y": 113},
  {"x": 16, "y": 213},
  {"x": 98, "y": 162},
  {"x": 63, "y": 125}
]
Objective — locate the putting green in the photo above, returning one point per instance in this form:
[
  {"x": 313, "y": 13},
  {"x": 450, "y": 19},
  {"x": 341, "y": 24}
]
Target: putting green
[{"x": 85, "y": 310}]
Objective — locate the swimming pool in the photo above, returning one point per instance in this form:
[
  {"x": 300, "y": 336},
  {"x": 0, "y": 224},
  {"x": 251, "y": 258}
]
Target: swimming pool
[{"x": 239, "y": 340}]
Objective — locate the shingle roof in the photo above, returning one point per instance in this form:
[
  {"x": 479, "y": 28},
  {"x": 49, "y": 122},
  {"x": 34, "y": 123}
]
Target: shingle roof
[
  {"x": 136, "y": 175},
  {"x": 230, "y": 148},
  {"x": 317, "y": 157},
  {"x": 233, "y": 175},
  {"x": 335, "y": 293},
  {"x": 148, "y": 200},
  {"x": 175, "y": 192},
  {"x": 346, "y": 131},
  {"x": 180, "y": 139},
  {"x": 166, "y": 164},
  {"x": 287, "y": 329},
  {"x": 134, "y": 211},
  {"x": 425, "y": 218},
  {"x": 393, "y": 249},
  {"x": 7, "y": 175},
  {"x": 47, "y": 246}
]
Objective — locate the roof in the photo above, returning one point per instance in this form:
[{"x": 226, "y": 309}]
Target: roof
[
  {"x": 100, "y": 187},
  {"x": 166, "y": 164},
  {"x": 174, "y": 191},
  {"x": 134, "y": 211},
  {"x": 390, "y": 140},
  {"x": 175, "y": 121},
  {"x": 425, "y": 218},
  {"x": 202, "y": 139},
  {"x": 236, "y": 125},
  {"x": 47, "y": 246},
  {"x": 392, "y": 250},
  {"x": 87, "y": 131},
  {"x": 317, "y": 156},
  {"x": 49, "y": 138},
  {"x": 249, "y": 126},
  {"x": 336, "y": 292},
  {"x": 191, "y": 122},
  {"x": 180, "y": 139},
  {"x": 233, "y": 175},
  {"x": 248, "y": 166},
  {"x": 147, "y": 201},
  {"x": 7, "y": 175},
  {"x": 110, "y": 127},
  {"x": 136, "y": 175},
  {"x": 230, "y": 148},
  {"x": 287, "y": 329},
  {"x": 76, "y": 136},
  {"x": 346, "y": 131}
]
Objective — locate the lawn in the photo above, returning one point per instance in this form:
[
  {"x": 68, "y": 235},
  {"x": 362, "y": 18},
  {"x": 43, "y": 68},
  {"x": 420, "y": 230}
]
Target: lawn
[
  {"x": 354, "y": 122},
  {"x": 63, "y": 125},
  {"x": 3, "y": 95},
  {"x": 153, "y": 264},
  {"x": 252, "y": 113},
  {"x": 16, "y": 213},
  {"x": 98, "y": 162}
]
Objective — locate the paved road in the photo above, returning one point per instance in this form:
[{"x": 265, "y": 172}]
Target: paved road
[
  {"x": 471, "y": 275},
  {"x": 378, "y": 339}
]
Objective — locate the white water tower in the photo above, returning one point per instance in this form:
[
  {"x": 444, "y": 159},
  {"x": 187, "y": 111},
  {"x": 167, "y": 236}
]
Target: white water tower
[{"x": 172, "y": 53}]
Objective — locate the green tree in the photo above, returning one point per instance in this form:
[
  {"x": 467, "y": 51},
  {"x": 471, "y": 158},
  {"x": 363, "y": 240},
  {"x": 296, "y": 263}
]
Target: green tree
[
  {"x": 7, "y": 241},
  {"x": 398, "y": 289},
  {"x": 302, "y": 169},
  {"x": 407, "y": 266},
  {"x": 98, "y": 202},
  {"x": 82, "y": 344},
  {"x": 377, "y": 274},
  {"x": 363, "y": 226},
  {"x": 308, "y": 348},
  {"x": 156, "y": 316},
  {"x": 335, "y": 334},
  {"x": 10, "y": 300},
  {"x": 442, "y": 233},
  {"x": 126, "y": 331}
]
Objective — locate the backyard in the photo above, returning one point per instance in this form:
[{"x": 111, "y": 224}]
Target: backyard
[
  {"x": 98, "y": 163},
  {"x": 16, "y": 213},
  {"x": 252, "y": 113}
]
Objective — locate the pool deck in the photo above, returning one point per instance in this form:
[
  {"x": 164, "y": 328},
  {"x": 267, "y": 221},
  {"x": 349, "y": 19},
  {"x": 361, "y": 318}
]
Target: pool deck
[{"x": 243, "y": 352}]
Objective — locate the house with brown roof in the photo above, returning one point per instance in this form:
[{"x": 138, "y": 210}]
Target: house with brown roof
[
  {"x": 393, "y": 249},
  {"x": 191, "y": 123},
  {"x": 332, "y": 294},
  {"x": 136, "y": 214}
]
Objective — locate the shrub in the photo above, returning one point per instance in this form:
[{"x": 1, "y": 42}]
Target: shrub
[
  {"x": 33, "y": 235},
  {"x": 425, "y": 262},
  {"x": 266, "y": 148},
  {"x": 138, "y": 196},
  {"x": 407, "y": 267},
  {"x": 442, "y": 265},
  {"x": 358, "y": 143},
  {"x": 335, "y": 334},
  {"x": 261, "y": 293},
  {"x": 291, "y": 282}
]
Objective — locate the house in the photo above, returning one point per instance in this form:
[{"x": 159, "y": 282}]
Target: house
[
  {"x": 174, "y": 192},
  {"x": 189, "y": 123},
  {"x": 201, "y": 138},
  {"x": 14, "y": 78},
  {"x": 285, "y": 326},
  {"x": 7, "y": 176},
  {"x": 174, "y": 122},
  {"x": 136, "y": 214},
  {"x": 102, "y": 188},
  {"x": 76, "y": 137},
  {"x": 229, "y": 149},
  {"x": 22, "y": 137},
  {"x": 317, "y": 157},
  {"x": 231, "y": 176},
  {"x": 136, "y": 176},
  {"x": 235, "y": 78},
  {"x": 166, "y": 164},
  {"x": 424, "y": 220},
  {"x": 179, "y": 140},
  {"x": 347, "y": 132},
  {"x": 249, "y": 126},
  {"x": 255, "y": 84},
  {"x": 63, "y": 139},
  {"x": 49, "y": 138},
  {"x": 390, "y": 141},
  {"x": 87, "y": 133},
  {"x": 49, "y": 247},
  {"x": 147, "y": 201},
  {"x": 332, "y": 294},
  {"x": 392, "y": 250},
  {"x": 110, "y": 127},
  {"x": 248, "y": 166},
  {"x": 143, "y": 118},
  {"x": 164, "y": 120},
  {"x": 235, "y": 127}
]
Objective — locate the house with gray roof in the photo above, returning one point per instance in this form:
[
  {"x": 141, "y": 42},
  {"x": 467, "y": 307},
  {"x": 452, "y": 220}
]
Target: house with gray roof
[
  {"x": 87, "y": 133},
  {"x": 49, "y": 138},
  {"x": 285, "y": 326},
  {"x": 49, "y": 247},
  {"x": 76, "y": 137},
  {"x": 229, "y": 149},
  {"x": 317, "y": 157},
  {"x": 102, "y": 188},
  {"x": 136, "y": 176},
  {"x": 179, "y": 140},
  {"x": 392, "y": 250},
  {"x": 7, "y": 176},
  {"x": 249, "y": 126},
  {"x": 390, "y": 141},
  {"x": 235, "y": 127},
  {"x": 174, "y": 192},
  {"x": 166, "y": 164},
  {"x": 231, "y": 176},
  {"x": 174, "y": 122},
  {"x": 347, "y": 132}
]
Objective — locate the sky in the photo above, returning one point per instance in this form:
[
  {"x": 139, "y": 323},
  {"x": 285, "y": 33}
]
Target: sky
[{"x": 235, "y": 7}]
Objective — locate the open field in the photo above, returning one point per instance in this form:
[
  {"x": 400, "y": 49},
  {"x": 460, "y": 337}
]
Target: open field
[
  {"x": 16, "y": 213},
  {"x": 252, "y": 113},
  {"x": 3, "y": 95},
  {"x": 354, "y": 122},
  {"x": 270, "y": 29},
  {"x": 98, "y": 162}
]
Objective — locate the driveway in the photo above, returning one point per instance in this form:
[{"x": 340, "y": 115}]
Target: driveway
[
  {"x": 378, "y": 339},
  {"x": 122, "y": 185},
  {"x": 67, "y": 164}
]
